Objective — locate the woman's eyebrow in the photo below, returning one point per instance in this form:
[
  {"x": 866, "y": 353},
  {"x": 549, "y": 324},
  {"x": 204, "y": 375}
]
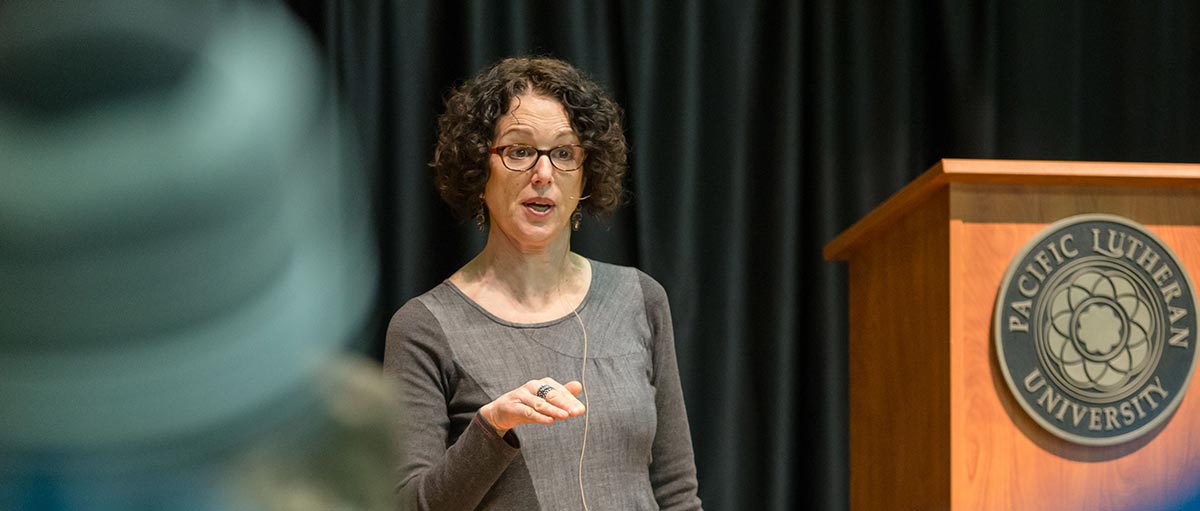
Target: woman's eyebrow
[
  {"x": 520, "y": 128},
  {"x": 565, "y": 133}
]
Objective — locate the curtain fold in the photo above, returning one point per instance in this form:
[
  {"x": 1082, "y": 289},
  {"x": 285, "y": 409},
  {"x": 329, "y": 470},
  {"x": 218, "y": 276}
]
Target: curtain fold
[{"x": 759, "y": 130}]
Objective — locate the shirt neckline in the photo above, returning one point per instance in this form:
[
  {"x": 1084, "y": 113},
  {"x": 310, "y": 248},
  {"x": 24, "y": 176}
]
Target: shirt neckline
[{"x": 497, "y": 319}]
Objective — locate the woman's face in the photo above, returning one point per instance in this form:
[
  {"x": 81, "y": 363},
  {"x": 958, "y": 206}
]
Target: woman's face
[{"x": 533, "y": 208}]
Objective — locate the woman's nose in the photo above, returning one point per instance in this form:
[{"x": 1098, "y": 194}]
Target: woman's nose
[{"x": 543, "y": 170}]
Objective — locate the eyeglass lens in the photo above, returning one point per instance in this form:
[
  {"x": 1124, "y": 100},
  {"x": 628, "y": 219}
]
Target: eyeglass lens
[{"x": 524, "y": 157}]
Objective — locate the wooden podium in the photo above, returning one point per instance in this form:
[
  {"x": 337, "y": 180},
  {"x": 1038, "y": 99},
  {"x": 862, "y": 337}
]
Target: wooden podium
[{"x": 933, "y": 424}]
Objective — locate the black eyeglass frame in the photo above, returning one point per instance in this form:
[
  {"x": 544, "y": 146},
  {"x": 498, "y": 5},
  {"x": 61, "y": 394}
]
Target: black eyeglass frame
[{"x": 499, "y": 151}]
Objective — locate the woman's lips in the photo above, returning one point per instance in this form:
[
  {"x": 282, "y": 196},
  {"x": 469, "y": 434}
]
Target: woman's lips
[
  {"x": 539, "y": 210},
  {"x": 539, "y": 207}
]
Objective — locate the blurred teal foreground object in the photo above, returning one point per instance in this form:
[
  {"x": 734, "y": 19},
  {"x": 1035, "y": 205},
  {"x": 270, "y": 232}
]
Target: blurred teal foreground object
[{"x": 181, "y": 241}]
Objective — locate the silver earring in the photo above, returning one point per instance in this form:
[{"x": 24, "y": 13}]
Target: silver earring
[
  {"x": 480, "y": 217},
  {"x": 576, "y": 218}
]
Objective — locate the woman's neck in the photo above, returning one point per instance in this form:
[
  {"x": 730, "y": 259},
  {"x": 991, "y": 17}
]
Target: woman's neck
[{"x": 519, "y": 281}]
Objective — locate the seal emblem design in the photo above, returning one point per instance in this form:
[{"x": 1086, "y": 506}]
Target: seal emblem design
[{"x": 1094, "y": 329}]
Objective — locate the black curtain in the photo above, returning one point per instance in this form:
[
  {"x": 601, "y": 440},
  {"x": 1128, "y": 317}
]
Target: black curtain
[{"x": 759, "y": 130}]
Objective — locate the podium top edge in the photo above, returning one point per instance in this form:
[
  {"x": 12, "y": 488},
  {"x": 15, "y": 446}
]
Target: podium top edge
[
  {"x": 1024, "y": 172},
  {"x": 1067, "y": 172}
]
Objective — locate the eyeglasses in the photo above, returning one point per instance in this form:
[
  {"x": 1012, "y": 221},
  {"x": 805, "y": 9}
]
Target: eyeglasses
[{"x": 521, "y": 157}]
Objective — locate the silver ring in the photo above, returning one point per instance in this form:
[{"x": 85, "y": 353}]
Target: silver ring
[{"x": 543, "y": 390}]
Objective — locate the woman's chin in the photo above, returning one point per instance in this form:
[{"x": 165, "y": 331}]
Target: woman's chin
[{"x": 535, "y": 236}]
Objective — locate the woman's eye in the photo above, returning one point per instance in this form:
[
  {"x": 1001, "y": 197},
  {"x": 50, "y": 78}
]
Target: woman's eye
[
  {"x": 562, "y": 153},
  {"x": 520, "y": 152}
]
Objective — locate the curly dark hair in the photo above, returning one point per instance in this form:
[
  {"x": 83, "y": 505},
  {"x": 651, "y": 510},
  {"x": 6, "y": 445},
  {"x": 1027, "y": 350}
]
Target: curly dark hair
[{"x": 468, "y": 127}]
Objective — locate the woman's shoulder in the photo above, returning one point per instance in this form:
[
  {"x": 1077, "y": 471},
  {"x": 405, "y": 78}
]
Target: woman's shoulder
[
  {"x": 419, "y": 312},
  {"x": 617, "y": 276}
]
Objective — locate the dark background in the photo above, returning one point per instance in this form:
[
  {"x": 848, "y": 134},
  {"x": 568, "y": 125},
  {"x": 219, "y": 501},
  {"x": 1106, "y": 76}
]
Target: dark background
[{"x": 759, "y": 130}]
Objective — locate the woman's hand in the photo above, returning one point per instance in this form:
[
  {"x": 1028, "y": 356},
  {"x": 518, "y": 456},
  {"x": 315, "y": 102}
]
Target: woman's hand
[{"x": 523, "y": 406}]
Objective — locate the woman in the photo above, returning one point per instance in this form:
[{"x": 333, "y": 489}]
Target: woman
[{"x": 494, "y": 361}]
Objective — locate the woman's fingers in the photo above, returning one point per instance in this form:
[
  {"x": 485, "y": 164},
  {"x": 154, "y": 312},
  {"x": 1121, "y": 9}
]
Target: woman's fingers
[
  {"x": 560, "y": 397},
  {"x": 523, "y": 405},
  {"x": 574, "y": 387},
  {"x": 539, "y": 413},
  {"x": 541, "y": 405},
  {"x": 517, "y": 407}
]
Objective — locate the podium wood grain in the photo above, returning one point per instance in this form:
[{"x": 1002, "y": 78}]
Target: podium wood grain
[
  {"x": 933, "y": 424},
  {"x": 1001, "y": 459},
  {"x": 899, "y": 365}
]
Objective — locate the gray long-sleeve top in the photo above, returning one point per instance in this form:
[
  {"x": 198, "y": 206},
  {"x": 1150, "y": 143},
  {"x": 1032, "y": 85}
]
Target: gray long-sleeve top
[{"x": 450, "y": 357}]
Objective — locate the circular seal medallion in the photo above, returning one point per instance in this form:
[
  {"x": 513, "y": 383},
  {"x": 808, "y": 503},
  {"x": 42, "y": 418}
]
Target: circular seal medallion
[{"x": 1095, "y": 329}]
